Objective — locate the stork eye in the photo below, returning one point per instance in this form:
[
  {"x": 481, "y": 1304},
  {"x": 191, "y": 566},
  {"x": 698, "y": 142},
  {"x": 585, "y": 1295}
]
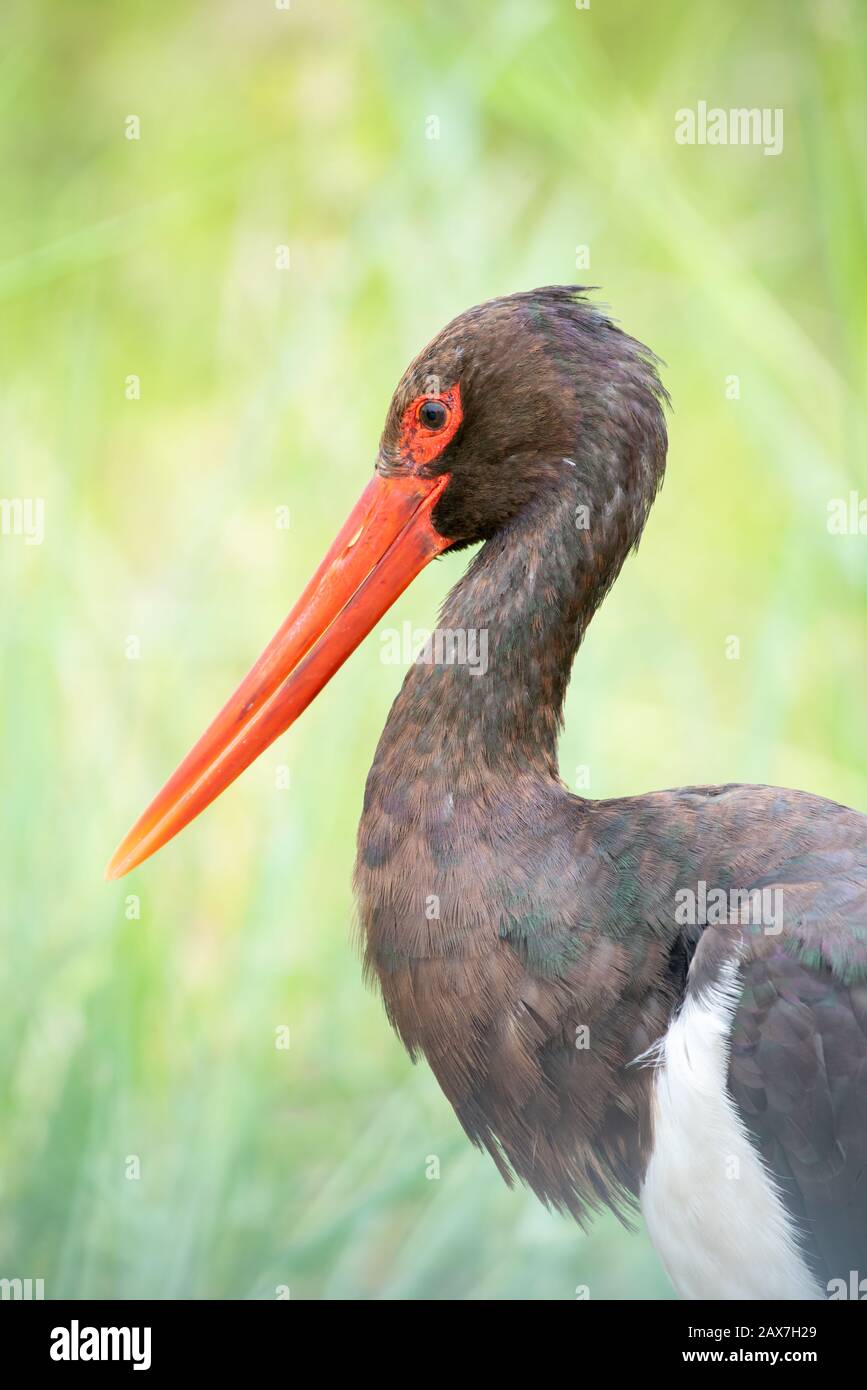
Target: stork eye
[
  {"x": 432, "y": 415},
  {"x": 428, "y": 425}
]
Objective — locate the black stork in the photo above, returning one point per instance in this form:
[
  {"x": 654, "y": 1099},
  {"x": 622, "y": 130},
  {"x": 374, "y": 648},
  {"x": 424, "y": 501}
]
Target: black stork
[{"x": 657, "y": 998}]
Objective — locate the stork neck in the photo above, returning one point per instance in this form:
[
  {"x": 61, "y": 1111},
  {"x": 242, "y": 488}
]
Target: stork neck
[{"x": 495, "y": 679}]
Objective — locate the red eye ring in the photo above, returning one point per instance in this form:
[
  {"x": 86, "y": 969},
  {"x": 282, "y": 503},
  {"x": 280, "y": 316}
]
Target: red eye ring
[{"x": 420, "y": 442}]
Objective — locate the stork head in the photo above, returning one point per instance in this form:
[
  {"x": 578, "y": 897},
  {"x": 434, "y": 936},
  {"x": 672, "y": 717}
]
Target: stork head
[
  {"x": 509, "y": 390},
  {"x": 486, "y": 419}
]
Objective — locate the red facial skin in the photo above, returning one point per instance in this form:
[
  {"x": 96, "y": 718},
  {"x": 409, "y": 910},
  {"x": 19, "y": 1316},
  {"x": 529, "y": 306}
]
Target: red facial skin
[{"x": 419, "y": 445}]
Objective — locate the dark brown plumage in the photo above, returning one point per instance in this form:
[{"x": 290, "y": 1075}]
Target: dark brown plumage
[{"x": 554, "y": 913}]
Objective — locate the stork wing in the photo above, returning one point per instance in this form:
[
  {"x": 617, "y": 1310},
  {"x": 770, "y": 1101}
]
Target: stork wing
[{"x": 798, "y": 1063}]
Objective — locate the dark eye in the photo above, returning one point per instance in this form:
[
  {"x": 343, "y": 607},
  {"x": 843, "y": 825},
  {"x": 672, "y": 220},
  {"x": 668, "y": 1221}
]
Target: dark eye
[{"x": 432, "y": 415}]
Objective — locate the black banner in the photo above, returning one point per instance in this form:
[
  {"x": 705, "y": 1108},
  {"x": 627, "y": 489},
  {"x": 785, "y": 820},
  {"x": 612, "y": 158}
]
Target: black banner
[{"x": 158, "y": 1338}]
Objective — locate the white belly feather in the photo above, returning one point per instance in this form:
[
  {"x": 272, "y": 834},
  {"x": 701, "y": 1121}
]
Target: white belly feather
[{"x": 712, "y": 1208}]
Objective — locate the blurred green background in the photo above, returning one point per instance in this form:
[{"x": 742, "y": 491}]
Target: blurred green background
[{"x": 145, "y": 1044}]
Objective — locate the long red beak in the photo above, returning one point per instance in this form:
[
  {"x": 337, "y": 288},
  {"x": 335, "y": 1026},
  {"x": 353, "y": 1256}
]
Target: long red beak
[{"x": 385, "y": 541}]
